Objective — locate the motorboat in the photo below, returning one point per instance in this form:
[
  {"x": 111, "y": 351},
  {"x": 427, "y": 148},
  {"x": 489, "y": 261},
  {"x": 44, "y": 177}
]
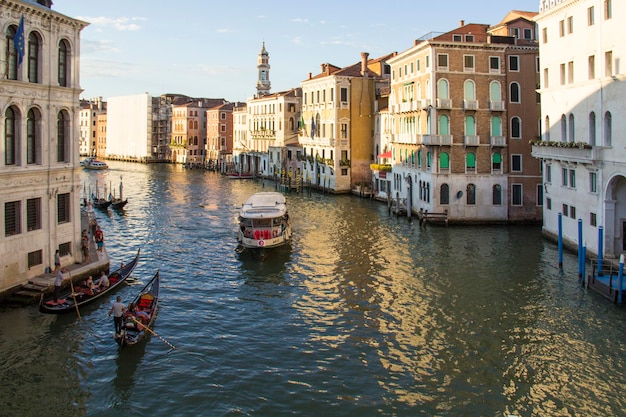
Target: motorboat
[
  {"x": 264, "y": 221},
  {"x": 95, "y": 164}
]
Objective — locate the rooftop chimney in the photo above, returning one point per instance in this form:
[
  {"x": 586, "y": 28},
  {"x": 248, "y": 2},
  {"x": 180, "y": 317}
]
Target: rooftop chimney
[
  {"x": 364, "y": 56},
  {"x": 461, "y": 23}
]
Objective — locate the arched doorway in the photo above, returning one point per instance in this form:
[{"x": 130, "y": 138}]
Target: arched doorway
[{"x": 615, "y": 216}]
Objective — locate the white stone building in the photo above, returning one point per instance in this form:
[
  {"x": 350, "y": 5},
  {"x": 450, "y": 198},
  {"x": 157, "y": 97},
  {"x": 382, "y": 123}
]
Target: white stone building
[
  {"x": 39, "y": 171},
  {"x": 129, "y": 127},
  {"x": 583, "y": 145}
]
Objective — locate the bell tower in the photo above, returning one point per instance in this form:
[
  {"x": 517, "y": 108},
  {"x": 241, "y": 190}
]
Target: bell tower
[{"x": 263, "y": 82}]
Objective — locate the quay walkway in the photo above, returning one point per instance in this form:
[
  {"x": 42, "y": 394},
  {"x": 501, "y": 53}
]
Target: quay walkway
[{"x": 31, "y": 292}]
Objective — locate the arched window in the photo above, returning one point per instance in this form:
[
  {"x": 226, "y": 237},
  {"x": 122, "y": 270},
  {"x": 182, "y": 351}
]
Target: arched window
[
  {"x": 195, "y": 124},
  {"x": 63, "y": 141},
  {"x": 10, "y": 136},
  {"x": 64, "y": 63},
  {"x": 33, "y": 58},
  {"x": 563, "y": 128},
  {"x": 428, "y": 159},
  {"x": 547, "y": 128},
  {"x": 514, "y": 95},
  {"x": 516, "y": 128},
  {"x": 495, "y": 91},
  {"x": 471, "y": 194},
  {"x": 608, "y": 129},
  {"x": 443, "y": 90},
  {"x": 33, "y": 141},
  {"x": 496, "y": 195},
  {"x": 444, "y": 124},
  {"x": 496, "y": 161},
  {"x": 419, "y": 158},
  {"x": 292, "y": 124},
  {"x": 11, "y": 53},
  {"x": 444, "y": 160},
  {"x": 470, "y": 162},
  {"x": 190, "y": 125},
  {"x": 469, "y": 90},
  {"x": 496, "y": 126},
  {"x": 592, "y": 128},
  {"x": 571, "y": 128},
  {"x": 470, "y": 126},
  {"x": 444, "y": 194}
]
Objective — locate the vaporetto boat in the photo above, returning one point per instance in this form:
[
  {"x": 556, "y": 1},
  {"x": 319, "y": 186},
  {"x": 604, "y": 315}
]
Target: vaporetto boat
[{"x": 264, "y": 221}]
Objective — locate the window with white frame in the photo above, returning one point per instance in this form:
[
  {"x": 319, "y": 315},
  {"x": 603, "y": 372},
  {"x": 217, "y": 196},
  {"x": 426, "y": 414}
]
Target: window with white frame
[
  {"x": 593, "y": 182},
  {"x": 516, "y": 163}
]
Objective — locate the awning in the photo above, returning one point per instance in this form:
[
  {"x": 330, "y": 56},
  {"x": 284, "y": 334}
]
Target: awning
[{"x": 385, "y": 155}]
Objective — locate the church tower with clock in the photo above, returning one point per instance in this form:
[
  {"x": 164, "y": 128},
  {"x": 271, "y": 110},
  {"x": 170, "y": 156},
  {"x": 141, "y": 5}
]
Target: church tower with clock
[{"x": 263, "y": 83}]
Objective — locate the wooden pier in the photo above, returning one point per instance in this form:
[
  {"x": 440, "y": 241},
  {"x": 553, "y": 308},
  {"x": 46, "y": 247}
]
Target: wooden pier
[
  {"x": 425, "y": 217},
  {"x": 605, "y": 280}
]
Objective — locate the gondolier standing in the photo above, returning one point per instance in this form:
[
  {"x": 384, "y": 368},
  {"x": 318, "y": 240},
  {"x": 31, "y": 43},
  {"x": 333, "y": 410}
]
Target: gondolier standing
[{"x": 117, "y": 309}]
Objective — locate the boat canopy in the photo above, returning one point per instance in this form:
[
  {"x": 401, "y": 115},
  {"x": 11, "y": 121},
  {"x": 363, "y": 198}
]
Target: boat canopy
[{"x": 264, "y": 205}]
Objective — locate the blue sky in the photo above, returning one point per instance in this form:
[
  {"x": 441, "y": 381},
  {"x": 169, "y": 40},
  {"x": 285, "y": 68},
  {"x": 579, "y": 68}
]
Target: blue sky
[{"x": 205, "y": 48}]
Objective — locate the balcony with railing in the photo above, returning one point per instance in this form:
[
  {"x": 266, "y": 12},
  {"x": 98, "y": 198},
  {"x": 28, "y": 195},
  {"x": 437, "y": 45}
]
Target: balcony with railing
[
  {"x": 444, "y": 103},
  {"x": 471, "y": 140},
  {"x": 436, "y": 140},
  {"x": 496, "y": 105},
  {"x": 424, "y": 103},
  {"x": 470, "y": 104},
  {"x": 565, "y": 151},
  {"x": 497, "y": 140},
  {"x": 407, "y": 106},
  {"x": 406, "y": 138},
  {"x": 263, "y": 134}
]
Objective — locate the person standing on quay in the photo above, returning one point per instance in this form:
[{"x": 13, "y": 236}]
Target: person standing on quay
[
  {"x": 57, "y": 260},
  {"x": 99, "y": 236},
  {"x": 85, "y": 249},
  {"x": 117, "y": 309}
]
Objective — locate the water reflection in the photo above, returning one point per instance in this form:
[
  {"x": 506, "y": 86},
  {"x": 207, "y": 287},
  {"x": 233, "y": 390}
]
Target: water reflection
[{"x": 363, "y": 314}]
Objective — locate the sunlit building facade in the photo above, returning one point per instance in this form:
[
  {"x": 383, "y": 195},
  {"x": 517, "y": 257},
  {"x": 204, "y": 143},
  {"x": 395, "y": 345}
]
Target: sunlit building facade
[
  {"x": 582, "y": 145},
  {"x": 39, "y": 170}
]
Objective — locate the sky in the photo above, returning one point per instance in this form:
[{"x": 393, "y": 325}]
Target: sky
[{"x": 205, "y": 48}]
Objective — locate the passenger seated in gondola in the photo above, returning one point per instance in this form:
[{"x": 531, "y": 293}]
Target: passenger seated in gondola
[
  {"x": 88, "y": 287},
  {"x": 103, "y": 282}
]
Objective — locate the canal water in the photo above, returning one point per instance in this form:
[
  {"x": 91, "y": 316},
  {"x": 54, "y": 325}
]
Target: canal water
[{"x": 364, "y": 314}]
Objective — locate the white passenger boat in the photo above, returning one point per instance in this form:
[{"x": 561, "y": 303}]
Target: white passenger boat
[
  {"x": 95, "y": 164},
  {"x": 264, "y": 221}
]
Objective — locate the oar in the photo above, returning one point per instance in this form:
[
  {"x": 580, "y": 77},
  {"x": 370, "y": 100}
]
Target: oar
[
  {"x": 153, "y": 332},
  {"x": 74, "y": 295}
]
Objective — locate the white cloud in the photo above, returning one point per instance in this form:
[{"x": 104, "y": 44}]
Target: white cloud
[
  {"x": 120, "y": 23},
  {"x": 224, "y": 30},
  {"x": 299, "y": 20}
]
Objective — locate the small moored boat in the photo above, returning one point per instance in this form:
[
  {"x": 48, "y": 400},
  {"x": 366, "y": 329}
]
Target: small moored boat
[
  {"x": 69, "y": 301},
  {"x": 264, "y": 221},
  {"x": 141, "y": 314}
]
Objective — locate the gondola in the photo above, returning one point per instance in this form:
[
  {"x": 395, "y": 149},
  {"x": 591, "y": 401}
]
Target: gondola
[
  {"x": 118, "y": 203},
  {"x": 69, "y": 301},
  {"x": 141, "y": 314},
  {"x": 99, "y": 202}
]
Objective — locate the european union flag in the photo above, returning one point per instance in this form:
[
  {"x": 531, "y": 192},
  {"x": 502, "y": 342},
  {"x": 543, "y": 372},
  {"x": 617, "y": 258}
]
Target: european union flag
[{"x": 19, "y": 41}]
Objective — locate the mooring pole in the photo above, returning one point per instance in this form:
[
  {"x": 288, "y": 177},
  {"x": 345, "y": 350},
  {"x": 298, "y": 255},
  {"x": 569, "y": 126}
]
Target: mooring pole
[{"x": 560, "y": 240}]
